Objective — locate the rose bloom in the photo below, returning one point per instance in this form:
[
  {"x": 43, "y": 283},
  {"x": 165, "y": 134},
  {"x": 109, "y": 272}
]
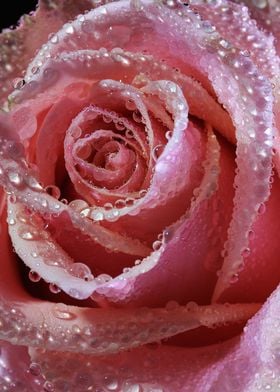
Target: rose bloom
[{"x": 140, "y": 219}]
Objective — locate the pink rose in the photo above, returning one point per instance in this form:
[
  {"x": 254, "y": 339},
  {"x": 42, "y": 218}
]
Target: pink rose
[{"x": 139, "y": 165}]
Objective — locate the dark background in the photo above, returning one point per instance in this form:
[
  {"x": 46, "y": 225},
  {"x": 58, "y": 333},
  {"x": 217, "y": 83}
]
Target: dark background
[{"x": 16, "y": 9}]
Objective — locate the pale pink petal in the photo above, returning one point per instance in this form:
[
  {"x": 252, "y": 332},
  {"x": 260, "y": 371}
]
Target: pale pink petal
[
  {"x": 19, "y": 46},
  {"x": 246, "y": 364}
]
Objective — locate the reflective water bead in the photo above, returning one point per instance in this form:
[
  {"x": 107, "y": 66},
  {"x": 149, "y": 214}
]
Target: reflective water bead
[
  {"x": 34, "y": 276},
  {"x": 130, "y": 105},
  {"x": 15, "y": 178},
  {"x": 48, "y": 387},
  {"x": 35, "y": 369},
  {"x": 103, "y": 278},
  {"x": 157, "y": 151},
  {"x": 54, "y": 288},
  {"x": 78, "y": 205},
  {"x": 53, "y": 190},
  {"x": 80, "y": 270},
  {"x": 260, "y": 3},
  {"x": 61, "y": 311},
  {"x": 96, "y": 215},
  {"x": 137, "y": 116},
  {"x": 157, "y": 245},
  {"x": 107, "y": 119},
  {"x": 120, "y": 203},
  {"x": 27, "y": 233},
  {"x": 111, "y": 383}
]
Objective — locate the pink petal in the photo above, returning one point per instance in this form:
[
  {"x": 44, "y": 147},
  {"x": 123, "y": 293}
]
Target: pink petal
[
  {"x": 20, "y": 45},
  {"x": 247, "y": 364}
]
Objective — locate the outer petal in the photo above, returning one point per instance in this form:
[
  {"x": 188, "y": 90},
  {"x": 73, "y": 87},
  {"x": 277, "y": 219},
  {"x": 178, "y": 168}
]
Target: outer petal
[
  {"x": 19, "y": 46},
  {"x": 250, "y": 363}
]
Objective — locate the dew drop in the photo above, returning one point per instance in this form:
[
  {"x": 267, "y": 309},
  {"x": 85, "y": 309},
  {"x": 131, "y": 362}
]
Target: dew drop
[
  {"x": 18, "y": 83},
  {"x": 76, "y": 132},
  {"x": 157, "y": 245},
  {"x": 48, "y": 387},
  {"x": 103, "y": 278},
  {"x": 75, "y": 294},
  {"x": 127, "y": 387},
  {"x": 108, "y": 206},
  {"x": 260, "y": 3},
  {"x": 96, "y": 215},
  {"x": 78, "y": 205},
  {"x": 262, "y": 208},
  {"x": 53, "y": 38},
  {"x": 107, "y": 119},
  {"x": 11, "y": 221},
  {"x": 61, "y": 312},
  {"x": 120, "y": 203},
  {"x": 120, "y": 126},
  {"x": 137, "y": 116},
  {"x": 111, "y": 383},
  {"x": 130, "y": 105},
  {"x": 35, "y": 369},
  {"x": 54, "y": 288},
  {"x": 28, "y": 234},
  {"x": 69, "y": 29},
  {"x": 168, "y": 135},
  {"x": 157, "y": 151},
  {"x": 34, "y": 276},
  {"x": 129, "y": 134},
  {"x": 129, "y": 201},
  {"x": 167, "y": 235},
  {"x": 15, "y": 178},
  {"x": 245, "y": 252},
  {"x": 53, "y": 190},
  {"x": 234, "y": 278},
  {"x": 80, "y": 270}
]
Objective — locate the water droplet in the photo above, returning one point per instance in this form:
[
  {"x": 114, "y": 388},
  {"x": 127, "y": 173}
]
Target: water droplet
[
  {"x": 234, "y": 278},
  {"x": 129, "y": 134},
  {"x": 53, "y": 38},
  {"x": 78, "y": 205},
  {"x": 168, "y": 135},
  {"x": 171, "y": 305},
  {"x": 61, "y": 311},
  {"x": 143, "y": 192},
  {"x": 167, "y": 235},
  {"x": 53, "y": 190},
  {"x": 157, "y": 245},
  {"x": 129, "y": 201},
  {"x": 69, "y": 29},
  {"x": 103, "y": 278},
  {"x": 111, "y": 383},
  {"x": 157, "y": 151},
  {"x": 130, "y": 105},
  {"x": 108, "y": 206},
  {"x": 34, "y": 276},
  {"x": 11, "y": 221},
  {"x": 75, "y": 294},
  {"x": 260, "y": 3},
  {"x": 28, "y": 233},
  {"x": 48, "y": 387},
  {"x": 96, "y": 215},
  {"x": 15, "y": 178},
  {"x": 35, "y": 369},
  {"x": 18, "y": 83},
  {"x": 262, "y": 208},
  {"x": 80, "y": 270},
  {"x": 137, "y": 116},
  {"x": 120, "y": 203},
  {"x": 120, "y": 126},
  {"x": 191, "y": 306},
  {"x": 54, "y": 288},
  {"x": 128, "y": 387},
  {"x": 76, "y": 132},
  {"x": 85, "y": 212},
  {"x": 245, "y": 252},
  {"x": 107, "y": 119}
]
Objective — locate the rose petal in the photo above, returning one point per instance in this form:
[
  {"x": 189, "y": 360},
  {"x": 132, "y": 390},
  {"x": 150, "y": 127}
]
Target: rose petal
[
  {"x": 34, "y": 30},
  {"x": 249, "y": 363}
]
